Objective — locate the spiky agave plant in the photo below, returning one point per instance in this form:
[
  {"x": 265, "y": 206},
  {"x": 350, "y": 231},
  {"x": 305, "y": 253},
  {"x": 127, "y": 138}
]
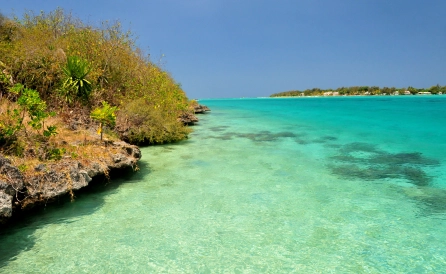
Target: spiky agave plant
[{"x": 76, "y": 84}]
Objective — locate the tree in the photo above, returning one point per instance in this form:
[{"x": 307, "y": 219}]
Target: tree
[
  {"x": 104, "y": 115},
  {"x": 435, "y": 89},
  {"x": 29, "y": 102}
]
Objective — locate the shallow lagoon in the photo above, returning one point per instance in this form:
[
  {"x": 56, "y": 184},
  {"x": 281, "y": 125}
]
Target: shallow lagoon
[{"x": 341, "y": 185}]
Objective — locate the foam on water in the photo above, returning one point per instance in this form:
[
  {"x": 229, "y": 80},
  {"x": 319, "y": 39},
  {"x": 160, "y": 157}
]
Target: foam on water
[{"x": 342, "y": 185}]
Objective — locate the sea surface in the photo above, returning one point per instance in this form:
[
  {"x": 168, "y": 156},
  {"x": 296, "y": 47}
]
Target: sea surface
[{"x": 289, "y": 185}]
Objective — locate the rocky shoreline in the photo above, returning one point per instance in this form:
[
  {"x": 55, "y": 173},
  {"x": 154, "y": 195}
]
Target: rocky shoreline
[
  {"x": 188, "y": 118},
  {"x": 49, "y": 181}
]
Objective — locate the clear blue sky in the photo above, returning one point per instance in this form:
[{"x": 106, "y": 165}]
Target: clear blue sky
[{"x": 251, "y": 48}]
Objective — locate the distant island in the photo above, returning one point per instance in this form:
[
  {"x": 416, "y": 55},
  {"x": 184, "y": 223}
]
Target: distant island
[{"x": 363, "y": 90}]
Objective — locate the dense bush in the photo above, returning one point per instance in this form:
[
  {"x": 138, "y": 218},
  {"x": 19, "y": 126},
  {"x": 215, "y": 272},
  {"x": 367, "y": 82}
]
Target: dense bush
[
  {"x": 75, "y": 66},
  {"x": 142, "y": 125},
  {"x": 14, "y": 136}
]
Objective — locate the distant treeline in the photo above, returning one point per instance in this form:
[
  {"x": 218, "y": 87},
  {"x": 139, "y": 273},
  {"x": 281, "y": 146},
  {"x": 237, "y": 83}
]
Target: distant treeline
[{"x": 362, "y": 90}]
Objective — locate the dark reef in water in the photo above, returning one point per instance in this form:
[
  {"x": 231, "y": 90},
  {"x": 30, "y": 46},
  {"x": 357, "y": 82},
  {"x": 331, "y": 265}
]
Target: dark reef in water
[
  {"x": 268, "y": 136},
  {"x": 367, "y": 162},
  {"x": 261, "y": 136},
  {"x": 363, "y": 161},
  {"x": 218, "y": 128}
]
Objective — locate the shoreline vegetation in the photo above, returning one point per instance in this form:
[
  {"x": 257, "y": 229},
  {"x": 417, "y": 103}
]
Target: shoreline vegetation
[
  {"x": 75, "y": 102},
  {"x": 363, "y": 91}
]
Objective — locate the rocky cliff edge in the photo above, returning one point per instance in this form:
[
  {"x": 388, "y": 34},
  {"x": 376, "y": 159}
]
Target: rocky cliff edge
[{"x": 52, "y": 179}]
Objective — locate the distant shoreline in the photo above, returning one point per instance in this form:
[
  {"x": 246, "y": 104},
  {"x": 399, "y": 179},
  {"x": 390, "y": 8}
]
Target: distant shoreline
[
  {"x": 315, "y": 96},
  {"x": 337, "y": 96},
  {"x": 363, "y": 91}
]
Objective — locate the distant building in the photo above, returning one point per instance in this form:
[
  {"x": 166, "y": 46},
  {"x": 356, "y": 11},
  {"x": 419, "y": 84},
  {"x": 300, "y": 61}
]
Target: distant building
[
  {"x": 424, "y": 93},
  {"x": 396, "y": 93},
  {"x": 335, "y": 93},
  {"x": 440, "y": 93},
  {"x": 406, "y": 92},
  {"x": 328, "y": 93}
]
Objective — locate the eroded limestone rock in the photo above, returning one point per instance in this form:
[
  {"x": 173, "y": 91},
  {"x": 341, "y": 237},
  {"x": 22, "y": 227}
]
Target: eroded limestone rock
[
  {"x": 54, "y": 179},
  {"x": 5, "y": 206}
]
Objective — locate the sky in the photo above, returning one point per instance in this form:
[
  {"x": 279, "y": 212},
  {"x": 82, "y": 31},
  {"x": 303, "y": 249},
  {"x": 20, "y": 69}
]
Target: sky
[{"x": 254, "y": 48}]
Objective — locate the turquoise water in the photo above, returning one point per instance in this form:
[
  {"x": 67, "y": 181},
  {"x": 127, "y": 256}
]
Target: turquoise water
[{"x": 305, "y": 185}]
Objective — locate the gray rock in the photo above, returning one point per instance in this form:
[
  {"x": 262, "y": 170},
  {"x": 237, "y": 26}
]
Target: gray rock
[
  {"x": 79, "y": 179},
  {"x": 54, "y": 179},
  {"x": 121, "y": 161},
  {"x": 94, "y": 170},
  {"x": 117, "y": 158},
  {"x": 40, "y": 167},
  {"x": 5, "y": 206},
  {"x": 3, "y": 185},
  {"x": 84, "y": 174},
  {"x": 187, "y": 118},
  {"x": 4, "y": 161},
  {"x": 15, "y": 182},
  {"x": 201, "y": 109},
  {"x": 136, "y": 153}
]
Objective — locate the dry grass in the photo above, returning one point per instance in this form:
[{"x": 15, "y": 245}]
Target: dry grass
[{"x": 83, "y": 146}]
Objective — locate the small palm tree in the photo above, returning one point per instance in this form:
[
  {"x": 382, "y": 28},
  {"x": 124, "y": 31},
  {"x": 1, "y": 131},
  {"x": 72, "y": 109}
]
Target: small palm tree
[
  {"x": 75, "y": 84},
  {"x": 104, "y": 115}
]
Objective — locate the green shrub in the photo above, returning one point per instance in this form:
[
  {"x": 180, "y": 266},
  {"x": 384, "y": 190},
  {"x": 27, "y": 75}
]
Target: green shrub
[
  {"x": 56, "y": 54},
  {"x": 28, "y": 104},
  {"x": 139, "y": 124},
  {"x": 55, "y": 153},
  {"x": 76, "y": 84},
  {"x": 105, "y": 116}
]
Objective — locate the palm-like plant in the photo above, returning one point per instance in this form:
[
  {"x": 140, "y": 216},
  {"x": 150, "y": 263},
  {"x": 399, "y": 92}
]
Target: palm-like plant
[
  {"x": 105, "y": 116},
  {"x": 75, "y": 84}
]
